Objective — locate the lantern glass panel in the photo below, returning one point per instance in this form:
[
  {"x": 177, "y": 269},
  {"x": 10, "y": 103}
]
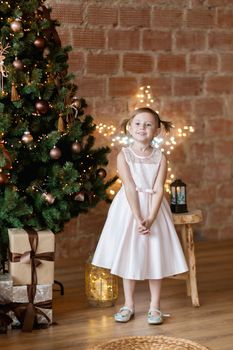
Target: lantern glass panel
[
  {"x": 178, "y": 197},
  {"x": 101, "y": 286}
]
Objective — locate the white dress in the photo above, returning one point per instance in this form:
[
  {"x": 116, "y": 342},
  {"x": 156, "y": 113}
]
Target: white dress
[{"x": 125, "y": 252}]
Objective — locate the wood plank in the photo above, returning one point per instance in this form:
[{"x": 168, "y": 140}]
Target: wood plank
[{"x": 79, "y": 326}]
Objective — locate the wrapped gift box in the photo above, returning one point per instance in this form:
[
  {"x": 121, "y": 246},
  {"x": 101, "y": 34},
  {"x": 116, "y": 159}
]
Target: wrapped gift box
[
  {"x": 6, "y": 288},
  {"x": 42, "y": 296},
  {"x": 31, "y": 256}
]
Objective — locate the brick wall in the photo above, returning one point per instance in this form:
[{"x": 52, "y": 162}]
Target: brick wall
[{"x": 184, "y": 50}]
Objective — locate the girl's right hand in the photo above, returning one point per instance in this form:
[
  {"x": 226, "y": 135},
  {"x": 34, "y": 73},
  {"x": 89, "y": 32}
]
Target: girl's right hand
[{"x": 142, "y": 229}]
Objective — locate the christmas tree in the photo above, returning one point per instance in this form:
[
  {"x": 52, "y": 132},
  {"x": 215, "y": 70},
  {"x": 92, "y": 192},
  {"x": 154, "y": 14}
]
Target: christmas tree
[{"x": 49, "y": 168}]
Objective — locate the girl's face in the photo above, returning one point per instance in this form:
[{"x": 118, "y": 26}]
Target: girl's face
[{"x": 143, "y": 127}]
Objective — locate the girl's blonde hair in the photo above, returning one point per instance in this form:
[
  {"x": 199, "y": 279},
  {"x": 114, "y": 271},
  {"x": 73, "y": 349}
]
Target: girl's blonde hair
[{"x": 166, "y": 124}]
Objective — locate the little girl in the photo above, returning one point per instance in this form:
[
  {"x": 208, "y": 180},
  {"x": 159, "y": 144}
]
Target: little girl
[{"x": 139, "y": 240}]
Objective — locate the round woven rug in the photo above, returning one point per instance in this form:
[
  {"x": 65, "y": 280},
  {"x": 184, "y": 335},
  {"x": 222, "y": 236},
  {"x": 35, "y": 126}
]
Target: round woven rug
[{"x": 159, "y": 342}]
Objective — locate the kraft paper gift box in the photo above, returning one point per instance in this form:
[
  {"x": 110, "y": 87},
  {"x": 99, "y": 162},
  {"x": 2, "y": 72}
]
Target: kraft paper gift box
[
  {"x": 6, "y": 288},
  {"x": 31, "y": 256},
  {"x": 43, "y": 295}
]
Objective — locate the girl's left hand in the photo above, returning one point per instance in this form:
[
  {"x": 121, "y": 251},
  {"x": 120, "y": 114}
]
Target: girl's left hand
[{"x": 142, "y": 229}]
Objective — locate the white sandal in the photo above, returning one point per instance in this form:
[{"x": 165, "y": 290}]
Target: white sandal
[
  {"x": 158, "y": 319},
  {"x": 124, "y": 314}
]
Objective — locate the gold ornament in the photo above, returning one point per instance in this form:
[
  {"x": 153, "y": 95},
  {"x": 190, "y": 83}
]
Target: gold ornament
[
  {"x": 55, "y": 153},
  {"x": 6, "y": 155},
  {"x": 16, "y": 25},
  {"x": 3, "y": 178},
  {"x": 14, "y": 94},
  {"x": 48, "y": 197},
  {"x": 60, "y": 124},
  {"x": 76, "y": 147},
  {"x": 101, "y": 173},
  {"x": 27, "y": 137}
]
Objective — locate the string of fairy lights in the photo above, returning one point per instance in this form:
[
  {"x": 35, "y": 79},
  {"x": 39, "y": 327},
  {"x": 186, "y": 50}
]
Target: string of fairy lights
[{"x": 165, "y": 142}]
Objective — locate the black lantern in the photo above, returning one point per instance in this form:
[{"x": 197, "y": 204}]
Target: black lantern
[{"x": 178, "y": 197}]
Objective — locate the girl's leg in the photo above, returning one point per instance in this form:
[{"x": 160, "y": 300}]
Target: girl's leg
[
  {"x": 155, "y": 291},
  {"x": 129, "y": 287}
]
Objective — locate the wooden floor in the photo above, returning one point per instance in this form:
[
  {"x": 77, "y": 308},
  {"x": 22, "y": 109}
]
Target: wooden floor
[{"x": 79, "y": 326}]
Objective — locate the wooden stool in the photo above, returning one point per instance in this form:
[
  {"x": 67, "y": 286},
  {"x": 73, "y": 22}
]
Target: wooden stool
[{"x": 186, "y": 220}]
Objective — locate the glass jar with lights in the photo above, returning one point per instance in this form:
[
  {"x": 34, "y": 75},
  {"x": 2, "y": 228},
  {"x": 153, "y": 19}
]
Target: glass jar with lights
[
  {"x": 178, "y": 197},
  {"x": 100, "y": 285}
]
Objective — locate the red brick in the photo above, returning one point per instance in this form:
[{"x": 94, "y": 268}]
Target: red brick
[
  {"x": 108, "y": 109},
  {"x": 197, "y": 3},
  {"x": 123, "y": 40},
  {"x": 167, "y": 18},
  {"x": 67, "y": 13},
  {"x": 219, "y": 171},
  {"x": 159, "y": 86},
  {"x": 200, "y": 18},
  {"x": 166, "y": 3},
  {"x": 226, "y": 60},
  {"x": 225, "y": 18},
  {"x": 225, "y": 191},
  {"x": 178, "y": 155},
  {"x": 219, "y": 215},
  {"x": 224, "y": 148},
  {"x": 88, "y": 38},
  {"x": 187, "y": 86},
  {"x": 208, "y": 106},
  {"x": 102, "y": 16},
  {"x": 76, "y": 61},
  {"x": 122, "y": 86},
  {"x": 203, "y": 195},
  {"x": 219, "y": 85},
  {"x": 203, "y": 62},
  {"x": 135, "y": 17},
  {"x": 65, "y": 36},
  {"x": 176, "y": 109},
  {"x": 204, "y": 149},
  {"x": 210, "y": 233},
  {"x": 157, "y": 40},
  {"x": 90, "y": 87},
  {"x": 138, "y": 63},
  {"x": 189, "y": 40},
  {"x": 171, "y": 63},
  {"x": 192, "y": 172},
  {"x": 102, "y": 64},
  {"x": 220, "y": 3},
  {"x": 220, "y": 40},
  {"x": 219, "y": 127}
]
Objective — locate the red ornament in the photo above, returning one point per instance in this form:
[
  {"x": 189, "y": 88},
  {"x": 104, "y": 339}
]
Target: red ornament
[
  {"x": 39, "y": 42},
  {"x": 55, "y": 153},
  {"x": 101, "y": 173},
  {"x": 42, "y": 106}
]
